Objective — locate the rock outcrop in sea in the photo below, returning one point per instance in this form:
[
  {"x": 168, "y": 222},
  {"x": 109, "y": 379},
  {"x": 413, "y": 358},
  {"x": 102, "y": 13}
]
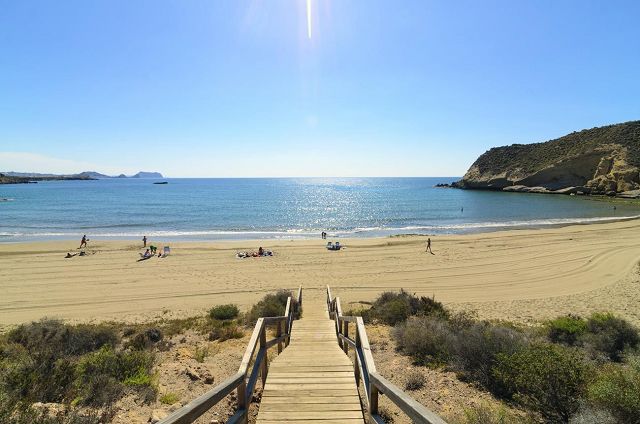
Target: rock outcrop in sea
[{"x": 604, "y": 160}]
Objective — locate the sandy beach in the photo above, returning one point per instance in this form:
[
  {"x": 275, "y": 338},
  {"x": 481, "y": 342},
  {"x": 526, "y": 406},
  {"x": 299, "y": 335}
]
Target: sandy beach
[{"x": 520, "y": 275}]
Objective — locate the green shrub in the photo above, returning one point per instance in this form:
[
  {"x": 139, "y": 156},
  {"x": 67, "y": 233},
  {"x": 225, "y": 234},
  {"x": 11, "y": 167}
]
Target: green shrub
[
  {"x": 103, "y": 375},
  {"x": 415, "y": 380},
  {"x": 225, "y": 330},
  {"x": 146, "y": 338},
  {"x": 178, "y": 326},
  {"x": 428, "y": 340},
  {"x": 548, "y": 379},
  {"x": 38, "y": 377},
  {"x": 616, "y": 388},
  {"x": 392, "y": 308},
  {"x": 201, "y": 353},
  {"x": 223, "y": 312},
  {"x": 169, "y": 398},
  {"x": 567, "y": 330},
  {"x": 469, "y": 348},
  {"x": 611, "y": 336},
  {"x": 61, "y": 339},
  {"x": 271, "y": 305},
  {"x": 476, "y": 347}
]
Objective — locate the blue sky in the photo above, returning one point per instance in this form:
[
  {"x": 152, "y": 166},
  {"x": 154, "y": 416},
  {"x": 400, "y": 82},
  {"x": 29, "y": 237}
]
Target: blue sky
[{"x": 236, "y": 88}]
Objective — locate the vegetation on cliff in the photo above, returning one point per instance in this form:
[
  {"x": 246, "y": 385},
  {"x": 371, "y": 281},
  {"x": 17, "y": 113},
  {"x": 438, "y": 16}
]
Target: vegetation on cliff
[{"x": 598, "y": 160}]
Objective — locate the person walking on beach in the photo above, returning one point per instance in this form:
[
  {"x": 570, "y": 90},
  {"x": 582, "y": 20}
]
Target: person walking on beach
[
  {"x": 83, "y": 242},
  {"x": 144, "y": 241},
  {"x": 429, "y": 246}
]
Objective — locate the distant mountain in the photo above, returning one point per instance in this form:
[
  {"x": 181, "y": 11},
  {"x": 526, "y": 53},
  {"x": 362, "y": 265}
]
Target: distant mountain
[
  {"x": 86, "y": 175},
  {"x": 140, "y": 174},
  {"x": 604, "y": 160},
  {"x": 143, "y": 174},
  {"x": 93, "y": 174}
]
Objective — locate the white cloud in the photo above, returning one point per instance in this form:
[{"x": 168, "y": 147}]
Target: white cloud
[{"x": 34, "y": 162}]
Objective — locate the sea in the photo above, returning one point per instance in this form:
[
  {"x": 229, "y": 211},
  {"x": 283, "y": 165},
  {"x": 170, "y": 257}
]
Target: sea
[{"x": 279, "y": 208}]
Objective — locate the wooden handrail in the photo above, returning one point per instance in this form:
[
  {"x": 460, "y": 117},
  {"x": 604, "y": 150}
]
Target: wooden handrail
[
  {"x": 244, "y": 381},
  {"x": 365, "y": 368}
]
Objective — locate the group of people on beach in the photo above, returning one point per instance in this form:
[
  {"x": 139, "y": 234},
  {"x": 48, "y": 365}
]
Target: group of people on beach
[
  {"x": 253, "y": 254},
  {"x": 152, "y": 251}
]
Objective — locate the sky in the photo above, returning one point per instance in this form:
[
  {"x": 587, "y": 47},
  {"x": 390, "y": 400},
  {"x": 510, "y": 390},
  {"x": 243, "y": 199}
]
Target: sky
[{"x": 236, "y": 88}]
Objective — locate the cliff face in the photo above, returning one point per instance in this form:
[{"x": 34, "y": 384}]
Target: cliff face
[{"x": 603, "y": 160}]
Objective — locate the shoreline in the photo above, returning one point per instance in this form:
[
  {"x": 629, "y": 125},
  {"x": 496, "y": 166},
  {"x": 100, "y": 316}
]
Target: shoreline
[
  {"x": 206, "y": 236},
  {"x": 520, "y": 275}
]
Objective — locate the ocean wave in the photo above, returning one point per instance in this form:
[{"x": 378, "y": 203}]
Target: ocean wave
[{"x": 313, "y": 232}]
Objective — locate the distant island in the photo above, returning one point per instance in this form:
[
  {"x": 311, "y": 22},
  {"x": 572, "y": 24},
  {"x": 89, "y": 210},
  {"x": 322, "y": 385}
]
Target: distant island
[
  {"x": 32, "y": 177},
  {"x": 602, "y": 161}
]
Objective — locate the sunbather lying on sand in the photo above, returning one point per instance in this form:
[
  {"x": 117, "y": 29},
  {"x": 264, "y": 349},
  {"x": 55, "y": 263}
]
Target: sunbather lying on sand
[{"x": 253, "y": 254}]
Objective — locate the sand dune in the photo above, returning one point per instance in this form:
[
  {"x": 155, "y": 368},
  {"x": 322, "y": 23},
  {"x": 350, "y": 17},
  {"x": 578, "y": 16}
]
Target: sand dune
[{"x": 518, "y": 275}]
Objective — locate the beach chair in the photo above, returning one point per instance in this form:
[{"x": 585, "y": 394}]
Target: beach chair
[{"x": 166, "y": 251}]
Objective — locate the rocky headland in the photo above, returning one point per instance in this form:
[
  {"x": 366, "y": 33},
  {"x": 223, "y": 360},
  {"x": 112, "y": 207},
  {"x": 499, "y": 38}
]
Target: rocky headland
[
  {"x": 32, "y": 177},
  {"x": 12, "y": 179},
  {"x": 600, "y": 161}
]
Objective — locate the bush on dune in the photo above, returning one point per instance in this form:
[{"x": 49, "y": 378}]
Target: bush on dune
[
  {"x": 224, "y": 312},
  {"x": 606, "y": 336},
  {"x": 271, "y": 305},
  {"x": 48, "y": 361},
  {"x": 567, "y": 329},
  {"x": 392, "y": 308},
  {"x": 616, "y": 388},
  {"x": 546, "y": 378},
  {"x": 61, "y": 339},
  {"x": 104, "y": 375},
  {"x": 225, "y": 330},
  {"x": 39, "y": 359},
  {"x": 428, "y": 340},
  {"x": 146, "y": 338},
  {"x": 476, "y": 350},
  {"x": 470, "y": 348},
  {"x": 611, "y": 336}
]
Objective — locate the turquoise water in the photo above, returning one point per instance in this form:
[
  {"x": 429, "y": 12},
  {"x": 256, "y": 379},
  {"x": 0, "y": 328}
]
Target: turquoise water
[{"x": 277, "y": 208}]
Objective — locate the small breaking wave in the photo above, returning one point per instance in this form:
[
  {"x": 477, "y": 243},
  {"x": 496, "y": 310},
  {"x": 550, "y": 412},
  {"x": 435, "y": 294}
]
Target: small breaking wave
[{"x": 291, "y": 233}]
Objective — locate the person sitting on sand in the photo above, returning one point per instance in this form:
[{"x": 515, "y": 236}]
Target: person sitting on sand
[
  {"x": 83, "y": 242},
  {"x": 147, "y": 254},
  {"x": 260, "y": 251}
]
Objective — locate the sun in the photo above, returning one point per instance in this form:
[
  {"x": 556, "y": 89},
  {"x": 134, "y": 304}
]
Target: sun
[{"x": 309, "y": 19}]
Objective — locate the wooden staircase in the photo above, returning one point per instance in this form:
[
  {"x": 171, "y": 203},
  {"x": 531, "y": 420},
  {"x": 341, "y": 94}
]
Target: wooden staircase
[{"x": 312, "y": 381}]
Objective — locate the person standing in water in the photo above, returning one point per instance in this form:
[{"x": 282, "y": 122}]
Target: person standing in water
[
  {"x": 429, "y": 246},
  {"x": 144, "y": 241}
]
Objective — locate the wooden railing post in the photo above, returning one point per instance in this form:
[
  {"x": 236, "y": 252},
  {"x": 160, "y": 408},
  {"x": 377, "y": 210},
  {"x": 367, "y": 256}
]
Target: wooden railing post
[
  {"x": 345, "y": 346},
  {"x": 278, "y": 334},
  {"x": 373, "y": 400},
  {"x": 356, "y": 359},
  {"x": 242, "y": 400},
  {"x": 263, "y": 346}
]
